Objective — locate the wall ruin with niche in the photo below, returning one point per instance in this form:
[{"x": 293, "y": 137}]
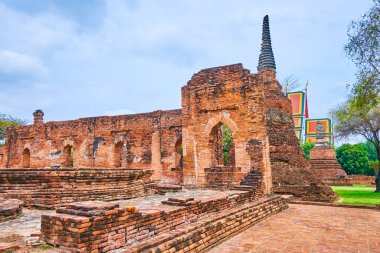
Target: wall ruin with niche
[{"x": 142, "y": 141}]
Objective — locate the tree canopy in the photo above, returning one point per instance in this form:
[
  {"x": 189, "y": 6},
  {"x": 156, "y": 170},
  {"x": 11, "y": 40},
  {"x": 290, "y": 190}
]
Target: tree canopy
[
  {"x": 7, "y": 121},
  {"x": 363, "y": 48},
  {"x": 354, "y": 159},
  {"x": 360, "y": 115}
]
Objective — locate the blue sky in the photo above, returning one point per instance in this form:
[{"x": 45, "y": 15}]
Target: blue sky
[{"x": 87, "y": 58}]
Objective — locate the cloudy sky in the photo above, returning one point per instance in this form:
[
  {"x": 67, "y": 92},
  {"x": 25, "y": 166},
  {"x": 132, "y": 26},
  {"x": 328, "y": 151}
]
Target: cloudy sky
[{"x": 86, "y": 58}]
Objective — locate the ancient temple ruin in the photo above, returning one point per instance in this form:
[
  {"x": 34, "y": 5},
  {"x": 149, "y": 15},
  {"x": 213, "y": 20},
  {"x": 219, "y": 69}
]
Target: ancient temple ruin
[
  {"x": 230, "y": 146},
  {"x": 183, "y": 146}
]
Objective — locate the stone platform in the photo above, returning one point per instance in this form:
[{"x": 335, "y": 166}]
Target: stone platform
[
  {"x": 153, "y": 224},
  {"x": 51, "y": 188}
]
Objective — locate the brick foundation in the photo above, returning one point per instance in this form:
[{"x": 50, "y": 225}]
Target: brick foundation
[
  {"x": 49, "y": 188},
  {"x": 204, "y": 234},
  {"x": 10, "y": 208},
  {"x": 324, "y": 163},
  {"x": 101, "y": 227}
]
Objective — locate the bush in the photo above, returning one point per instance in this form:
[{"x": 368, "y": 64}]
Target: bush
[{"x": 354, "y": 159}]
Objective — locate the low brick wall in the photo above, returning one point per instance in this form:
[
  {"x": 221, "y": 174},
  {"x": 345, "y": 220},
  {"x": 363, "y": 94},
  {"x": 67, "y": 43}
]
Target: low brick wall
[
  {"x": 352, "y": 179},
  {"x": 50, "y": 188},
  {"x": 223, "y": 176},
  {"x": 10, "y": 208},
  {"x": 101, "y": 227}
]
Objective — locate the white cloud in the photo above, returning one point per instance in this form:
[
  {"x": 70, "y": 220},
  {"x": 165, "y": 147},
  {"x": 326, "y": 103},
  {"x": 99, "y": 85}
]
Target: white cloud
[
  {"x": 139, "y": 53},
  {"x": 14, "y": 63}
]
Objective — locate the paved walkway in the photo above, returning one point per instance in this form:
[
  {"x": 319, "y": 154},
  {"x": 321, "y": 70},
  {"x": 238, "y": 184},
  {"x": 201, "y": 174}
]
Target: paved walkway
[{"x": 303, "y": 228}]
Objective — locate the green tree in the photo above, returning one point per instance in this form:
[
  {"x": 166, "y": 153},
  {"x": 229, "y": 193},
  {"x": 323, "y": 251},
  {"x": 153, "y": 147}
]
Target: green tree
[
  {"x": 7, "y": 121},
  {"x": 360, "y": 115},
  {"x": 363, "y": 48},
  {"x": 307, "y": 146},
  {"x": 353, "y": 118},
  {"x": 354, "y": 159},
  {"x": 370, "y": 149}
]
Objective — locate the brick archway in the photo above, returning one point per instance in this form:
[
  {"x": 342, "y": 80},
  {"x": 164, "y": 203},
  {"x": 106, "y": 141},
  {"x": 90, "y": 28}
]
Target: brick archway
[{"x": 223, "y": 118}]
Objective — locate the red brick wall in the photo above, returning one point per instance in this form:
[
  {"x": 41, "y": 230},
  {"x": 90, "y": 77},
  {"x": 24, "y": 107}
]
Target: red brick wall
[
  {"x": 352, "y": 179},
  {"x": 149, "y": 137}
]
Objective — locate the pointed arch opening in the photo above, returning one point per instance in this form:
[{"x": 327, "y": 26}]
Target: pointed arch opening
[
  {"x": 222, "y": 146},
  {"x": 26, "y": 158},
  {"x": 68, "y": 157}
]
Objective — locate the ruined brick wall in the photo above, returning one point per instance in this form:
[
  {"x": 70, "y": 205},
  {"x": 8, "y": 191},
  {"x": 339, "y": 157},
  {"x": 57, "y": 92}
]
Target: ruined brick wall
[
  {"x": 130, "y": 141},
  {"x": 285, "y": 152},
  {"x": 291, "y": 172},
  {"x": 102, "y": 227},
  {"x": 223, "y": 95}
]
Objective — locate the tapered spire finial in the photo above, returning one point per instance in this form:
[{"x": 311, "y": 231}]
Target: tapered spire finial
[{"x": 266, "y": 59}]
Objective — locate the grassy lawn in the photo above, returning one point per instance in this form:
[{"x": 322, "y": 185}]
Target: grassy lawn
[{"x": 358, "y": 194}]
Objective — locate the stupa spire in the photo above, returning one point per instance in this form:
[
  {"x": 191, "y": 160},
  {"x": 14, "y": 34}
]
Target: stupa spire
[{"x": 266, "y": 59}]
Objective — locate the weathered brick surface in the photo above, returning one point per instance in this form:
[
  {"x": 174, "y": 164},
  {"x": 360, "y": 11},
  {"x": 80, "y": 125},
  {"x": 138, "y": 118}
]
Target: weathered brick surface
[
  {"x": 208, "y": 232},
  {"x": 49, "y": 188},
  {"x": 10, "y": 208},
  {"x": 101, "y": 227},
  {"x": 291, "y": 172},
  {"x": 228, "y": 95},
  {"x": 324, "y": 163}
]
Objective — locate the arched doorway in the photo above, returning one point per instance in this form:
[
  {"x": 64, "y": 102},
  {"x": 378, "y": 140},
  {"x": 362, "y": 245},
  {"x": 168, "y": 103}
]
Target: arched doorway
[
  {"x": 222, "y": 146},
  {"x": 26, "y": 158},
  {"x": 68, "y": 156},
  {"x": 118, "y": 154},
  {"x": 178, "y": 154}
]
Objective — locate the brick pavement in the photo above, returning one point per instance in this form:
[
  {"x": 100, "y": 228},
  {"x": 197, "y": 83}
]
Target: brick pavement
[{"x": 303, "y": 228}]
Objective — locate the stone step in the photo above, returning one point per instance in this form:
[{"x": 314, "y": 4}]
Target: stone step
[
  {"x": 208, "y": 232},
  {"x": 244, "y": 188}
]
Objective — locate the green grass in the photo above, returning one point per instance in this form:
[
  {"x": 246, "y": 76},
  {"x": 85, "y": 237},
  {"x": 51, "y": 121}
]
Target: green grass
[{"x": 358, "y": 194}]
